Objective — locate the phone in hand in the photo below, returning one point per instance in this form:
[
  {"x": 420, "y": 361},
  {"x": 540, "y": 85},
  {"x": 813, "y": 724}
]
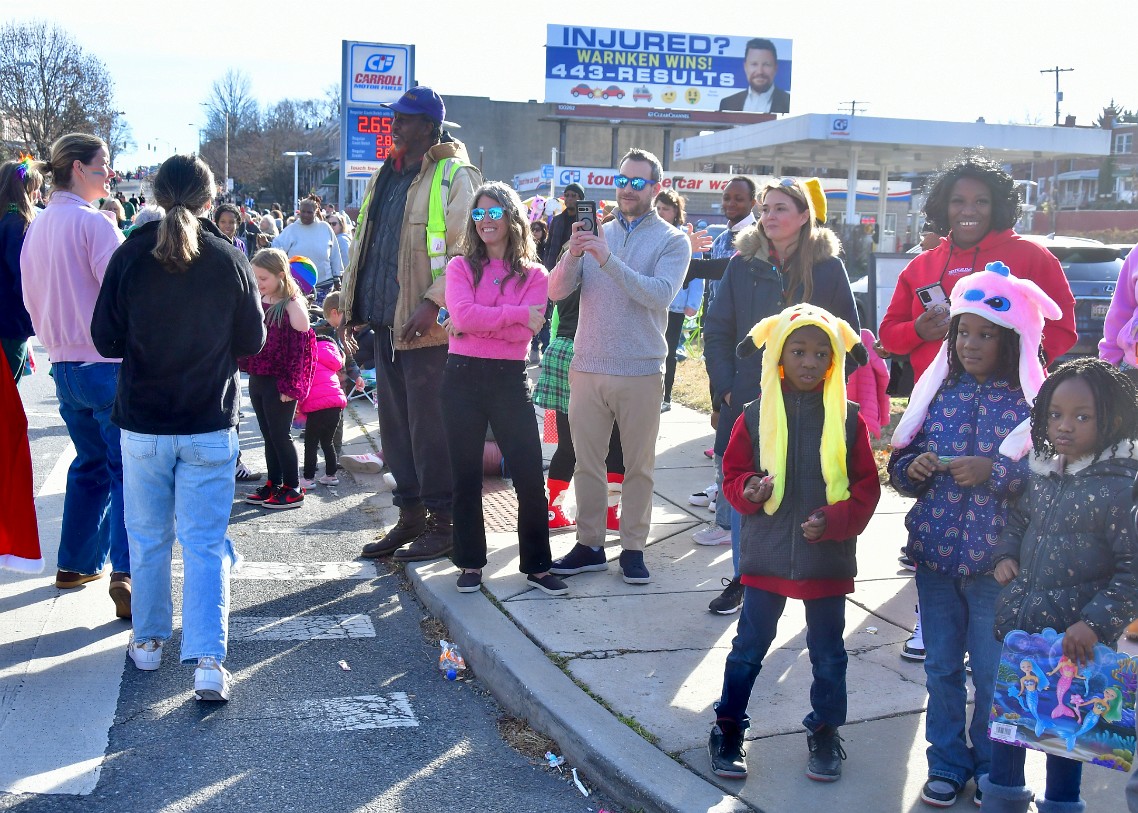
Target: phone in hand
[
  {"x": 587, "y": 214},
  {"x": 444, "y": 314},
  {"x": 931, "y": 296}
]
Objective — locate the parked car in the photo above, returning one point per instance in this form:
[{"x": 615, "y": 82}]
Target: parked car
[
  {"x": 1122, "y": 248},
  {"x": 582, "y": 90},
  {"x": 612, "y": 92},
  {"x": 1092, "y": 270}
]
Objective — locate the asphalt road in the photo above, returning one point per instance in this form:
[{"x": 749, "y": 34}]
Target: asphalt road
[{"x": 301, "y": 733}]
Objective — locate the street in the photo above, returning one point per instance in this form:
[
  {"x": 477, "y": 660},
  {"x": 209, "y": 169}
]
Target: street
[{"x": 338, "y": 703}]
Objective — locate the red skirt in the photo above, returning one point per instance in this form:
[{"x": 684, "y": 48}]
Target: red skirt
[{"x": 19, "y": 531}]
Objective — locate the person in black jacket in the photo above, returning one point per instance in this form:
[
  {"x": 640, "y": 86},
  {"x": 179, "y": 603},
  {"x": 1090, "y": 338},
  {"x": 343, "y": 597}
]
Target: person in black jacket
[
  {"x": 179, "y": 304},
  {"x": 784, "y": 259}
]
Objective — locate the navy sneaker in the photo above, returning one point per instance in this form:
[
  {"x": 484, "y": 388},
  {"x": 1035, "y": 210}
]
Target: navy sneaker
[
  {"x": 579, "y": 560},
  {"x": 725, "y": 747},
  {"x": 632, "y": 567}
]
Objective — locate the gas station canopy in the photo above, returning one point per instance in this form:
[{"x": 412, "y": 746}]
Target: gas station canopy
[{"x": 891, "y": 145}]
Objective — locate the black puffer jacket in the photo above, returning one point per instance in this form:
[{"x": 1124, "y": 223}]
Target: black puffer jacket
[{"x": 1072, "y": 535}]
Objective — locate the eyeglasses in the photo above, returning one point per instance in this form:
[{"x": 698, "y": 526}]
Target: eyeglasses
[
  {"x": 479, "y": 214},
  {"x": 785, "y": 182},
  {"x": 637, "y": 184}
]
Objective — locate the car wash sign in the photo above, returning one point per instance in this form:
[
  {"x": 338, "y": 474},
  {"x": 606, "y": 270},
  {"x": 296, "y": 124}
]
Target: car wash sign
[
  {"x": 621, "y": 67},
  {"x": 375, "y": 73}
]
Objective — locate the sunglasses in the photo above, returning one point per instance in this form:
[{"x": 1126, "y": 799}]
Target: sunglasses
[
  {"x": 637, "y": 184},
  {"x": 479, "y": 214}
]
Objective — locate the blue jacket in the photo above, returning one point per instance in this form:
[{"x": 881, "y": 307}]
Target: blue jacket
[
  {"x": 750, "y": 291},
  {"x": 15, "y": 323},
  {"x": 954, "y": 530}
]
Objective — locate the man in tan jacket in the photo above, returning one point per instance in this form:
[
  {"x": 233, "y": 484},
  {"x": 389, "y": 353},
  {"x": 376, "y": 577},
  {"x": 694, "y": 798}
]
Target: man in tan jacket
[{"x": 395, "y": 285}]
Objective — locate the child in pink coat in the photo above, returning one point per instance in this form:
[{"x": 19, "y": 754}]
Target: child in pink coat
[
  {"x": 866, "y": 387},
  {"x": 322, "y": 408}
]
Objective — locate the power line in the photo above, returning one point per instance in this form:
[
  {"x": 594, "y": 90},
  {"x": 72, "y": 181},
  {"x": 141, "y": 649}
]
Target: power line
[
  {"x": 1058, "y": 95},
  {"x": 854, "y": 109}
]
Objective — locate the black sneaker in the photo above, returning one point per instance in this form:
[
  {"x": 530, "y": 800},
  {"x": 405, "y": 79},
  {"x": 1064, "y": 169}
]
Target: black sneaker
[
  {"x": 469, "y": 582},
  {"x": 579, "y": 560},
  {"x": 940, "y": 792},
  {"x": 548, "y": 584},
  {"x": 907, "y": 563},
  {"x": 826, "y": 755},
  {"x": 259, "y": 496},
  {"x": 632, "y": 567},
  {"x": 285, "y": 497},
  {"x": 730, "y": 600},
  {"x": 978, "y": 797},
  {"x": 725, "y": 747}
]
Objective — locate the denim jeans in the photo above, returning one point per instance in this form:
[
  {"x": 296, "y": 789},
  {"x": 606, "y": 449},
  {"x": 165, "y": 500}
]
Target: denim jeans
[
  {"x": 478, "y": 393},
  {"x": 181, "y": 485},
  {"x": 93, "y": 527},
  {"x": 1064, "y": 776},
  {"x": 758, "y": 622},
  {"x": 723, "y": 509},
  {"x": 957, "y": 616}
]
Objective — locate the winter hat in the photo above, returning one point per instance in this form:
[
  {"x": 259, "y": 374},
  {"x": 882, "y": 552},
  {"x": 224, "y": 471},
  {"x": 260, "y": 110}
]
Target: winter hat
[
  {"x": 773, "y": 332},
  {"x": 1008, "y": 301}
]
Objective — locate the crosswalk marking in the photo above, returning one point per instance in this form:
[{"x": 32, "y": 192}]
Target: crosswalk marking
[
  {"x": 336, "y": 714},
  {"x": 300, "y": 627},
  {"x": 298, "y": 571}
]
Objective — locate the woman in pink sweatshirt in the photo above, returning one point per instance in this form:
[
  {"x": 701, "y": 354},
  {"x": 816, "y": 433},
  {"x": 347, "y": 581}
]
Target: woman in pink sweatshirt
[{"x": 496, "y": 296}]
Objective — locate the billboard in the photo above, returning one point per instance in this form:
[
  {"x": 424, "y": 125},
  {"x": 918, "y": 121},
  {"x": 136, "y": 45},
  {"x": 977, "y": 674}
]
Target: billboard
[{"x": 623, "y": 67}]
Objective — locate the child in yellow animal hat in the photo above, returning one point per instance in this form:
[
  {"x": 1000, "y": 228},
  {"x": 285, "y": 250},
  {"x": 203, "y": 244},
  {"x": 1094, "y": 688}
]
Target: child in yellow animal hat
[{"x": 800, "y": 470}]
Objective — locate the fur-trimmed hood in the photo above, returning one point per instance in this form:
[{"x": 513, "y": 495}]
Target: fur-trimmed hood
[
  {"x": 1046, "y": 465},
  {"x": 752, "y": 242}
]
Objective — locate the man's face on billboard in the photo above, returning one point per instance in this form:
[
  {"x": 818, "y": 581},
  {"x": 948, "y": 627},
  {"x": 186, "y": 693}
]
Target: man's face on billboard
[{"x": 760, "y": 67}]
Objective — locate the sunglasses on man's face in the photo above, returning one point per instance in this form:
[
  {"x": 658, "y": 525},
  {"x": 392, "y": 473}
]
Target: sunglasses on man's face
[
  {"x": 479, "y": 214},
  {"x": 637, "y": 184}
]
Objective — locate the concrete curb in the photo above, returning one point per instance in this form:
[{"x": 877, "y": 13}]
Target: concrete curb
[{"x": 525, "y": 682}]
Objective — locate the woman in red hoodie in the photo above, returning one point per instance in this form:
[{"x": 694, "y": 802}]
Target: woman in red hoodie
[{"x": 977, "y": 203}]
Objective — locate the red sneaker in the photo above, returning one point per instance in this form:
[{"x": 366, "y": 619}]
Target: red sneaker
[
  {"x": 285, "y": 497},
  {"x": 259, "y": 496}
]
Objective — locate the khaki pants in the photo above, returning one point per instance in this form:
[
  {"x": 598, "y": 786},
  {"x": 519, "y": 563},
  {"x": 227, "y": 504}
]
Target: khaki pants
[{"x": 633, "y": 402}]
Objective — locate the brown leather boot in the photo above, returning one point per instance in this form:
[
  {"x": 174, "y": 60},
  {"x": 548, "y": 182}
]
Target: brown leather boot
[
  {"x": 434, "y": 543},
  {"x": 412, "y": 523}
]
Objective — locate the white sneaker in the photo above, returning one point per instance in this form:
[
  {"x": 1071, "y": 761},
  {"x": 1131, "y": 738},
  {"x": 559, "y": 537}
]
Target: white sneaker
[
  {"x": 211, "y": 680},
  {"x": 712, "y": 535},
  {"x": 306, "y": 484},
  {"x": 704, "y": 497},
  {"x": 711, "y": 506},
  {"x": 329, "y": 480},
  {"x": 146, "y": 655}
]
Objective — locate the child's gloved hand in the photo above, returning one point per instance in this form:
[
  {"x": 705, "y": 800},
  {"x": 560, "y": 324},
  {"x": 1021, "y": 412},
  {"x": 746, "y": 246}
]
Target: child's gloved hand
[
  {"x": 814, "y": 526},
  {"x": 1079, "y": 643},
  {"x": 970, "y": 471}
]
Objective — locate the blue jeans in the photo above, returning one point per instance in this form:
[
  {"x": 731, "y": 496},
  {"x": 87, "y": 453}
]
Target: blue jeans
[
  {"x": 93, "y": 526},
  {"x": 758, "y": 622},
  {"x": 1064, "y": 776},
  {"x": 958, "y": 615},
  {"x": 181, "y": 485}
]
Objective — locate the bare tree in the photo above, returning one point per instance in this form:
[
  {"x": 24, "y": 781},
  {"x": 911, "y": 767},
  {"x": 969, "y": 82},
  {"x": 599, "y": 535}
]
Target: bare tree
[{"x": 49, "y": 86}]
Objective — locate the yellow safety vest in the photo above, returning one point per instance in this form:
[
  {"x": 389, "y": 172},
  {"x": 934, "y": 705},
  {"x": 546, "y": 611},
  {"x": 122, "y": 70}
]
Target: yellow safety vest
[{"x": 436, "y": 214}]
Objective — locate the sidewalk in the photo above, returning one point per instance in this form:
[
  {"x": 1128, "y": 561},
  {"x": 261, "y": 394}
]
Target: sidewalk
[{"x": 623, "y": 676}]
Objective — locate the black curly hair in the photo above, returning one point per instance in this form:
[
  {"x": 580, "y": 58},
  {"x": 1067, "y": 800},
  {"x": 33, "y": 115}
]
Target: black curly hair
[
  {"x": 1116, "y": 403},
  {"x": 1007, "y": 362},
  {"x": 1006, "y": 207}
]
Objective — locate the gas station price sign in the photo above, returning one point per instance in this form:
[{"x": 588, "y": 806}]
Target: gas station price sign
[{"x": 369, "y": 133}]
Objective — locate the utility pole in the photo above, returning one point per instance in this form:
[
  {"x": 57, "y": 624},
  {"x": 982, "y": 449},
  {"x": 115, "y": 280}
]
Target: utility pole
[
  {"x": 226, "y": 181},
  {"x": 854, "y": 109},
  {"x": 1058, "y": 94}
]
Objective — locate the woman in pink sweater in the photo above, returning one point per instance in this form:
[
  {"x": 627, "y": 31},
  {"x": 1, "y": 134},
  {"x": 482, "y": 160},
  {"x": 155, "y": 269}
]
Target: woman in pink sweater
[{"x": 496, "y": 296}]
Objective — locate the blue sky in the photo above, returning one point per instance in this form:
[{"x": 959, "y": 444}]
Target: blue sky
[{"x": 929, "y": 60}]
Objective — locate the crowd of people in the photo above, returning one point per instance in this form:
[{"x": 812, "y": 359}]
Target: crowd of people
[{"x": 1023, "y": 470}]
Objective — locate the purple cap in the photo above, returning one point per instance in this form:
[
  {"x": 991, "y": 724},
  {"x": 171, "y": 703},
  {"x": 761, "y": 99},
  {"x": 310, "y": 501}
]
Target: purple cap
[{"x": 420, "y": 101}]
